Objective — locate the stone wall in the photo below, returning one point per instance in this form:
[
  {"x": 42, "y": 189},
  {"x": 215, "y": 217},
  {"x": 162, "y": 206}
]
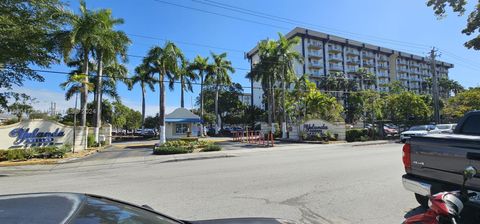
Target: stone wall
[
  {"x": 318, "y": 126},
  {"x": 33, "y": 133}
]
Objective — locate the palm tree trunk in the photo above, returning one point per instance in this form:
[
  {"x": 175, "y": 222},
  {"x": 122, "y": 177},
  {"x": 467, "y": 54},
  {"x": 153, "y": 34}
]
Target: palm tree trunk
[
  {"x": 98, "y": 119},
  {"x": 161, "y": 128},
  {"x": 273, "y": 107},
  {"x": 284, "y": 114},
  {"x": 143, "y": 108},
  {"x": 182, "y": 85},
  {"x": 85, "y": 88},
  {"x": 217, "y": 116},
  {"x": 201, "y": 105}
]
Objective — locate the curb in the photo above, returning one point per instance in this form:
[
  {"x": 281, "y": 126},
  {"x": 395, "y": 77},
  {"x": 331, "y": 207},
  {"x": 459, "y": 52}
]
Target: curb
[
  {"x": 383, "y": 142},
  {"x": 198, "y": 158}
]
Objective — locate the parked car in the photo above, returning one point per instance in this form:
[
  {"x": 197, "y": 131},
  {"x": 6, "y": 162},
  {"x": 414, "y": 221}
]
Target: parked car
[
  {"x": 435, "y": 163},
  {"x": 446, "y": 128},
  {"x": 418, "y": 130},
  {"x": 389, "y": 131},
  {"x": 78, "y": 208}
]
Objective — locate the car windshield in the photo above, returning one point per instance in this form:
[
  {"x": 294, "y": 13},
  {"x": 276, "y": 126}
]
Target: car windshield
[
  {"x": 99, "y": 210},
  {"x": 418, "y": 128}
]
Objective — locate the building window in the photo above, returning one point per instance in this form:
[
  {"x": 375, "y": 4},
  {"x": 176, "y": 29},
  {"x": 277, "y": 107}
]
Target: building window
[{"x": 181, "y": 128}]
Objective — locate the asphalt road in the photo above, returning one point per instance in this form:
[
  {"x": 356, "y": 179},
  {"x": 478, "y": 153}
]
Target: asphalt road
[{"x": 306, "y": 183}]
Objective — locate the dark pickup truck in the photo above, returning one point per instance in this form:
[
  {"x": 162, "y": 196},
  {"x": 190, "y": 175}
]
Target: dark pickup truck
[{"x": 434, "y": 163}]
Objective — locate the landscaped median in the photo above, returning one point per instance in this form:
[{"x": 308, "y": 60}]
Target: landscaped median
[
  {"x": 184, "y": 146},
  {"x": 40, "y": 155}
]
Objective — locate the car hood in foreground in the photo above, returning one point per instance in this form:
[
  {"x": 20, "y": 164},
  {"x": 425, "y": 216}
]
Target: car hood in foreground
[{"x": 244, "y": 221}]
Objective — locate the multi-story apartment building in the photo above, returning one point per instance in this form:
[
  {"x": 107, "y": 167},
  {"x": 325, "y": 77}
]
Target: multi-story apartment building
[{"x": 324, "y": 54}]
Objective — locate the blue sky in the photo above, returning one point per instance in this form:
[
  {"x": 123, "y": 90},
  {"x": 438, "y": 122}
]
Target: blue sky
[{"x": 406, "y": 25}]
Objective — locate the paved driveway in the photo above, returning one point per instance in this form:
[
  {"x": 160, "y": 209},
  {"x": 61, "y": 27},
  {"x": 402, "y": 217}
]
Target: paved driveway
[{"x": 306, "y": 183}]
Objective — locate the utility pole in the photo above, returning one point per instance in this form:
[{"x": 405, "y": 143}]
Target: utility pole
[{"x": 436, "y": 105}]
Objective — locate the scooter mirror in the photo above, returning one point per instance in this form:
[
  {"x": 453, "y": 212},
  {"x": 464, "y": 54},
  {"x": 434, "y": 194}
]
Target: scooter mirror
[{"x": 469, "y": 172}]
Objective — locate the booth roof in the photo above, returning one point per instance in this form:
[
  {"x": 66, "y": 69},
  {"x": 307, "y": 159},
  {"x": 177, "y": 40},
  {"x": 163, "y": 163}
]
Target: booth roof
[{"x": 182, "y": 115}]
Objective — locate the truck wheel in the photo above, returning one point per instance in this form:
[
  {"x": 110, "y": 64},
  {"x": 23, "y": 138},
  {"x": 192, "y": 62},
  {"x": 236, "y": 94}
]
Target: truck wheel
[{"x": 422, "y": 200}]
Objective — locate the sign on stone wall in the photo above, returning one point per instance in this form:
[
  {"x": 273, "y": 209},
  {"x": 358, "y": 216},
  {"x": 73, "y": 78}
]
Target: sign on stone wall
[
  {"x": 319, "y": 127},
  {"x": 38, "y": 133}
]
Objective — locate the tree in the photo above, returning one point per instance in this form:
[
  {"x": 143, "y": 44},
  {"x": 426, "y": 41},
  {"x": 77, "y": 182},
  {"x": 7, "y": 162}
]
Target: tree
[
  {"x": 120, "y": 115},
  {"x": 166, "y": 62},
  {"x": 134, "y": 120},
  {"x": 307, "y": 102},
  {"x": 462, "y": 103},
  {"x": 81, "y": 38},
  {"x": 27, "y": 39},
  {"x": 458, "y": 6},
  {"x": 286, "y": 57},
  {"x": 265, "y": 72},
  {"x": 107, "y": 111},
  {"x": 200, "y": 65},
  {"x": 144, "y": 77},
  {"x": 22, "y": 106},
  {"x": 107, "y": 46},
  {"x": 229, "y": 108},
  {"x": 366, "y": 104},
  {"x": 218, "y": 76},
  {"x": 186, "y": 77},
  {"x": 446, "y": 86},
  {"x": 367, "y": 79},
  {"x": 407, "y": 108}
]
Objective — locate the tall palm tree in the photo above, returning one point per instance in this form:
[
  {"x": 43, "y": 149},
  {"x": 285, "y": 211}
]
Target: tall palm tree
[
  {"x": 81, "y": 38},
  {"x": 218, "y": 75},
  {"x": 366, "y": 78},
  {"x": 166, "y": 62},
  {"x": 107, "y": 46},
  {"x": 144, "y": 77},
  {"x": 266, "y": 72},
  {"x": 186, "y": 77},
  {"x": 287, "y": 56},
  {"x": 200, "y": 65}
]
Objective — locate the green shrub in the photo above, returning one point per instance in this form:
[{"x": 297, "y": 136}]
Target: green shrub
[
  {"x": 212, "y": 148},
  {"x": 189, "y": 139},
  {"x": 354, "y": 135},
  {"x": 16, "y": 154},
  {"x": 176, "y": 143},
  {"x": 168, "y": 150},
  {"x": 330, "y": 136},
  {"x": 90, "y": 140},
  {"x": 3, "y": 155},
  {"x": 203, "y": 144}
]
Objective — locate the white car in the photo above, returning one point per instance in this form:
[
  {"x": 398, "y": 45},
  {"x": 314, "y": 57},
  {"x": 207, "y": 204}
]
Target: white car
[
  {"x": 418, "y": 130},
  {"x": 446, "y": 128}
]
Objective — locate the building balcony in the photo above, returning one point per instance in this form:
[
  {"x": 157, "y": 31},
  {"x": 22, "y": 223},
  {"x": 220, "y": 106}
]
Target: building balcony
[
  {"x": 316, "y": 72},
  {"x": 353, "y": 61},
  {"x": 315, "y": 65},
  {"x": 315, "y": 45},
  {"x": 335, "y": 58},
  {"x": 383, "y": 58},
  {"x": 368, "y": 55},
  {"x": 383, "y": 66},
  {"x": 403, "y": 77},
  {"x": 368, "y": 64},
  {"x": 315, "y": 54},
  {"x": 334, "y": 48},
  {"x": 402, "y": 62},
  {"x": 382, "y": 75},
  {"x": 335, "y": 67},
  {"x": 416, "y": 87},
  {"x": 353, "y": 52}
]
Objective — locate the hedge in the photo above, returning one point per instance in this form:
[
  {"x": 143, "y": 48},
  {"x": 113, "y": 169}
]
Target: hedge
[
  {"x": 36, "y": 152},
  {"x": 355, "y": 135},
  {"x": 212, "y": 148},
  {"x": 168, "y": 150}
]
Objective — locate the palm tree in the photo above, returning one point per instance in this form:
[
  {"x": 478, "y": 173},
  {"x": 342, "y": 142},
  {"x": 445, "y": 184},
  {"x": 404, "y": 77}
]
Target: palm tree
[
  {"x": 266, "y": 72},
  {"x": 107, "y": 46},
  {"x": 218, "y": 75},
  {"x": 200, "y": 65},
  {"x": 165, "y": 61},
  {"x": 366, "y": 78},
  {"x": 81, "y": 37},
  {"x": 186, "y": 77},
  {"x": 286, "y": 56},
  {"x": 143, "y": 76}
]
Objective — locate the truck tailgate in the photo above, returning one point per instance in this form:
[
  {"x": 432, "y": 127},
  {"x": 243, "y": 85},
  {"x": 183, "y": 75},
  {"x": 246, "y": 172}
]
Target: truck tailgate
[{"x": 444, "y": 157}]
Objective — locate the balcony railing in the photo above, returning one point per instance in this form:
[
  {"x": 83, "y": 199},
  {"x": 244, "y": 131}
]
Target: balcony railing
[
  {"x": 382, "y": 74},
  {"x": 315, "y": 54},
  {"x": 368, "y": 55},
  {"x": 352, "y": 51},
  {"x": 336, "y": 67},
  {"x": 335, "y": 48},
  {"x": 368, "y": 64},
  {"x": 315, "y": 64},
  {"x": 315, "y": 44},
  {"x": 353, "y": 61},
  {"x": 333, "y": 57}
]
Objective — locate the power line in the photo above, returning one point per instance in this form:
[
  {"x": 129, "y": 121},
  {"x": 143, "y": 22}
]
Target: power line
[
  {"x": 219, "y": 14},
  {"x": 297, "y": 22},
  {"x": 186, "y": 43}
]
